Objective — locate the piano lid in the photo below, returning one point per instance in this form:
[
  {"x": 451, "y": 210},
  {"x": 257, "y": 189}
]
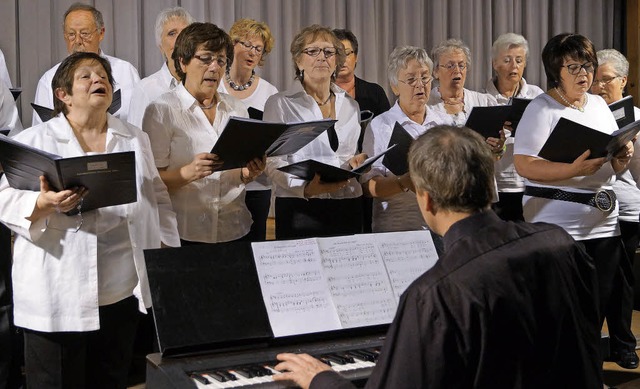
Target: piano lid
[{"x": 206, "y": 296}]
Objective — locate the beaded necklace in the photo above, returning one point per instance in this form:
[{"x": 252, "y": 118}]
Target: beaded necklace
[
  {"x": 581, "y": 109},
  {"x": 237, "y": 87}
]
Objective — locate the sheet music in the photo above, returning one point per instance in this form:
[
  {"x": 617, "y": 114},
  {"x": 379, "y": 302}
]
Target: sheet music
[
  {"x": 357, "y": 280},
  {"x": 407, "y": 255},
  {"x": 293, "y": 286}
]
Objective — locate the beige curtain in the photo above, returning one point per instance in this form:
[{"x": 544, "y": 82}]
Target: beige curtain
[{"x": 31, "y": 30}]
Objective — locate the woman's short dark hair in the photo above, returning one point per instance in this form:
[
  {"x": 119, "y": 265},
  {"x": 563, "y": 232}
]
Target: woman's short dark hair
[
  {"x": 455, "y": 166},
  {"x": 63, "y": 78},
  {"x": 567, "y": 45},
  {"x": 347, "y": 35},
  {"x": 313, "y": 33},
  {"x": 211, "y": 36}
]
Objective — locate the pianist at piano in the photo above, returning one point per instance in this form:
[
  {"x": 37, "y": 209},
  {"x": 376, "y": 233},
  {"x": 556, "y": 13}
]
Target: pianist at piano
[{"x": 509, "y": 305}]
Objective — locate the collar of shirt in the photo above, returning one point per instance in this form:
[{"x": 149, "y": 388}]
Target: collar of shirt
[
  {"x": 167, "y": 78},
  {"x": 432, "y": 118},
  {"x": 189, "y": 102},
  {"x": 468, "y": 227},
  {"x": 297, "y": 92},
  {"x": 60, "y": 130}
]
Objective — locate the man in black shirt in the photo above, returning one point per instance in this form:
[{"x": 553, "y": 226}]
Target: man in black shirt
[{"x": 509, "y": 305}]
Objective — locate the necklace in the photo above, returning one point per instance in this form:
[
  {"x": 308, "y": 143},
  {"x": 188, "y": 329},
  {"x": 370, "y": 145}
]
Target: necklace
[
  {"x": 581, "y": 109},
  {"x": 452, "y": 101},
  {"x": 326, "y": 101},
  {"x": 237, "y": 87},
  {"x": 207, "y": 106}
]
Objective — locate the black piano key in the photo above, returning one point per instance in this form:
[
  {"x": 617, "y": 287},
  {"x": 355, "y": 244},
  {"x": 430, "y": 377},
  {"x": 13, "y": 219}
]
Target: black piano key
[
  {"x": 336, "y": 359},
  {"x": 371, "y": 354},
  {"x": 229, "y": 376},
  {"x": 259, "y": 371},
  {"x": 325, "y": 360},
  {"x": 362, "y": 356},
  {"x": 201, "y": 379},
  {"x": 217, "y": 376},
  {"x": 347, "y": 358},
  {"x": 245, "y": 372}
]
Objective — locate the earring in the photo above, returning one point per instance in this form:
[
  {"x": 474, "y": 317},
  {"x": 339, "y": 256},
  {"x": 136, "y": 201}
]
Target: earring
[{"x": 301, "y": 75}]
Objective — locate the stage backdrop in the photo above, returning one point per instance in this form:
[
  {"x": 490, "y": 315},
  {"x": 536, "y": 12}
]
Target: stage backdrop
[{"x": 32, "y": 42}]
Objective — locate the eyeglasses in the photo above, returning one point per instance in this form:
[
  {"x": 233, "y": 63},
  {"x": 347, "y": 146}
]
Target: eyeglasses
[
  {"x": 78, "y": 216},
  {"x": 208, "y": 59},
  {"x": 315, "y": 51},
  {"x": 575, "y": 68},
  {"x": 84, "y": 35},
  {"x": 248, "y": 46},
  {"x": 604, "y": 81},
  {"x": 452, "y": 65},
  {"x": 349, "y": 52},
  {"x": 413, "y": 81}
]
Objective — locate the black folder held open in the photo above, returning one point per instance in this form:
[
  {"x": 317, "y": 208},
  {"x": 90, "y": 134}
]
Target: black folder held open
[
  {"x": 110, "y": 178},
  {"x": 244, "y": 139},
  {"x": 569, "y": 140},
  {"x": 488, "y": 121},
  {"x": 396, "y": 160},
  {"x": 623, "y": 111},
  {"x": 45, "y": 114},
  {"x": 307, "y": 169}
]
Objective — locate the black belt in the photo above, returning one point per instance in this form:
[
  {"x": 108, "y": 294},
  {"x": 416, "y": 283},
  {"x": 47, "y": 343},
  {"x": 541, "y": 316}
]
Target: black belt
[{"x": 604, "y": 199}]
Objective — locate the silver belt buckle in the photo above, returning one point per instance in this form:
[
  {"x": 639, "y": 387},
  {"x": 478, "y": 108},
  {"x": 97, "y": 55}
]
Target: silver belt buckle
[{"x": 604, "y": 201}]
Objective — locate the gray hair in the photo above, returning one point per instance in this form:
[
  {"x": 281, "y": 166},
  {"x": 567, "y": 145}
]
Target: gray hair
[
  {"x": 509, "y": 41},
  {"x": 97, "y": 15},
  {"x": 455, "y": 166},
  {"x": 614, "y": 58},
  {"x": 170, "y": 13},
  {"x": 399, "y": 58},
  {"x": 447, "y": 46}
]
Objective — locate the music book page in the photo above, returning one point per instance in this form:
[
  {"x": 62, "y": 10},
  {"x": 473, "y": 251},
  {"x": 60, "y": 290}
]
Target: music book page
[{"x": 326, "y": 284}]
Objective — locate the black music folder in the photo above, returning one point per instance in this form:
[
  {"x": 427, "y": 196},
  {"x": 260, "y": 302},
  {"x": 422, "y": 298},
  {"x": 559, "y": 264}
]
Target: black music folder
[
  {"x": 15, "y": 92},
  {"x": 205, "y": 296},
  {"x": 396, "y": 160},
  {"x": 623, "y": 111},
  {"x": 307, "y": 169},
  {"x": 518, "y": 105},
  {"x": 255, "y": 113},
  {"x": 45, "y": 114},
  {"x": 569, "y": 140},
  {"x": 110, "y": 178},
  {"x": 488, "y": 121},
  {"x": 244, "y": 139}
]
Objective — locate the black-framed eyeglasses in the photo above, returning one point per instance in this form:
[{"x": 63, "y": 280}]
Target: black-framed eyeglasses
[
  {"x": 248, "y": 46},
  {"x": 604, "y": 80},
  {"x": 452, "y": 65},
  {"x": 575, "y": 68},
  {"x": 208, "y": 59},
  {"x": 84, "y": 35},
  {"x": 315, "y": 51},
  {"x": 413, "y": 81}
]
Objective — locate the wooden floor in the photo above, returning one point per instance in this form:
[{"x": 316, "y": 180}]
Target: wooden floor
[{"x": 614, "y": 375}]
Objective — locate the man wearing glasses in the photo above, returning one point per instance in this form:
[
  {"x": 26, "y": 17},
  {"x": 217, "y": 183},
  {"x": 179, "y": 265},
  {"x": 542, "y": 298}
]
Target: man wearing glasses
[{"x": 83, "y": 30}]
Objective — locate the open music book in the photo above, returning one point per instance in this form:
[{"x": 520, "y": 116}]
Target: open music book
[
  {"x": 325, "y": 284},
  {"x": 244, "y": 139},
  {"x": 569, "y": 140},
  {"x": 623, "y": 111},
  {"x": 396, "y": 160}
]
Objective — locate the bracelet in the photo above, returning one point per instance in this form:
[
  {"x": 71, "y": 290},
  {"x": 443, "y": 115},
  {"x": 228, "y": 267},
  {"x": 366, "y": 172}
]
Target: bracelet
[{"x": 402, "y": 187}]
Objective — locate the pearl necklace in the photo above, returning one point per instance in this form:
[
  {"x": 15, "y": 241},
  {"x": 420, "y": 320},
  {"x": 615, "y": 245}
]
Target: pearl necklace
[
  {"x": 237, "y": 87},
  {"x": 581, "y": 109}
]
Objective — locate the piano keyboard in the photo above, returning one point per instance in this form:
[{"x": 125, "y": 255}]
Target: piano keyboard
[{"x": 260, "y": 375}]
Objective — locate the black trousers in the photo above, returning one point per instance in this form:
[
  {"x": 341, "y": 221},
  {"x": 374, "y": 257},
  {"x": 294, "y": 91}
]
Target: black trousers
[
  {"x": 258, "y": 202},
  {"x": 606, "y": 254},
  {"x": 509, "y": 206},
  {"x": 620, "y": 307},
  {"x": 93, "y": 359},
  {"x": 300, "y": 218}
]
